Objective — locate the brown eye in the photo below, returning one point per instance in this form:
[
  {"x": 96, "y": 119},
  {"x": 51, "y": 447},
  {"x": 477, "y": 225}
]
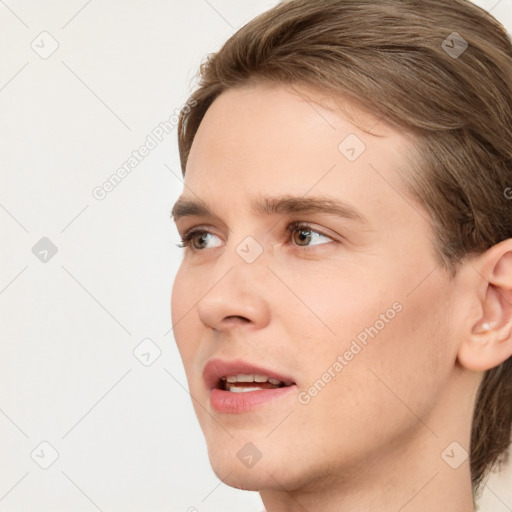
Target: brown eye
[
  {"x": 190, "y": 237},
  {"x": 201, "y": 239},
  {"x": 304, "y": 236}
]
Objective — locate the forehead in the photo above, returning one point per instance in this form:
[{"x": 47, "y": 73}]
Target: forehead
[
  {"x": 267, "y": 138},
  {"x": 271, "y": 123}
]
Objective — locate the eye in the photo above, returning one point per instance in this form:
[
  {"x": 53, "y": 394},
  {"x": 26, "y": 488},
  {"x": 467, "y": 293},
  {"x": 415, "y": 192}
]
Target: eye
[
  {"x": 307, "y": 236},
  {"x": 188, "y": 239},
  {"x": 306, "y": 233}
]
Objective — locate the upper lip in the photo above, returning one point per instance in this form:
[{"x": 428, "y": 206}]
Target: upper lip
[{"x": 217, "y": 368}]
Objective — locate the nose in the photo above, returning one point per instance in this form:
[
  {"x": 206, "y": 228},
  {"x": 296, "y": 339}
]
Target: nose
[{"x": 236, "y": 296}]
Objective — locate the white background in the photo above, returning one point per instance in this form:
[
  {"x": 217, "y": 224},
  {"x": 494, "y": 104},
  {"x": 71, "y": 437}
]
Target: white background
[{"x": 125, "y": 433}]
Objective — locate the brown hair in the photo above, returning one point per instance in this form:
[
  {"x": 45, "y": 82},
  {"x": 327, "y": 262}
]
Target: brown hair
[{"x": 399, "y": 59}]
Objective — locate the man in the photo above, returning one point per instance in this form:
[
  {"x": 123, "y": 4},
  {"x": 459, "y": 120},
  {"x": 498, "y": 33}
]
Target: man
[{"x": 344, "y": 304}]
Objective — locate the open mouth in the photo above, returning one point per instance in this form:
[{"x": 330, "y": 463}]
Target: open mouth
[
  {"x": 239, "y": 387},
  {"x": 251, "y": 382}
]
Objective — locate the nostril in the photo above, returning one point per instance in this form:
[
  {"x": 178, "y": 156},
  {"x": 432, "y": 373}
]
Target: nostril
[{"x": 237, "y": 318}]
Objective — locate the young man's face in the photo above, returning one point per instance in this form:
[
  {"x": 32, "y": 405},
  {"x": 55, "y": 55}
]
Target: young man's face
[{"x": 356, "y": 313}]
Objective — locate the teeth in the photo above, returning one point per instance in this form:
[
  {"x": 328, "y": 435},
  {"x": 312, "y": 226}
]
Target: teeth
[
  {"x": 251, "y": 378},
  {"x": 245, "y": 378},
  {"x": 243, "y": 390}
]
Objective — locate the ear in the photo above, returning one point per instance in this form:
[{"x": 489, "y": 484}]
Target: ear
[{"x": 488, "y": 341}]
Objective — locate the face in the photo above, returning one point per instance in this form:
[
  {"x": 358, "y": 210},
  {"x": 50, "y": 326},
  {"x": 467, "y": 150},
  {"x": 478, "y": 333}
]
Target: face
[{"x": 345, "y": 305}]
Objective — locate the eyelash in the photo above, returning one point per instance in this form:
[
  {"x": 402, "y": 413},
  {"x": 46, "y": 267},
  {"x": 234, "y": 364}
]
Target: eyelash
[{"x": 187, "y": 238}]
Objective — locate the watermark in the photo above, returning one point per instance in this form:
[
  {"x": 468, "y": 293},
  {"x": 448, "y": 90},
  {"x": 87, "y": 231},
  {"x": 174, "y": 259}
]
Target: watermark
[
  {"x": 45, "y": 45},
  {"x": 44, "y": 250},
  {"x": 454, "y": 45},
  {"x": 304, "y": 397},
  {"x": 249, "y": 249},
  {"x": 454, "y": 455},
  {"x": 351, "y": 147},
  {"x": 249, "y": 455},
  {"x": 44, "y": 454},
  {"x": 147, "y": 352},
  {"x": 508, "y": 193},
  {"x": 153, "y": 139}
]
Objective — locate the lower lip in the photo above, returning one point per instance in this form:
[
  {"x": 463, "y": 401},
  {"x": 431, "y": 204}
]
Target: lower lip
[{"x": 231, "y": 402}]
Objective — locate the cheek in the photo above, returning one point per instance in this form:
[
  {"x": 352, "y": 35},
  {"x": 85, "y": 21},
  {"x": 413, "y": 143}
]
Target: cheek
[
  {"x": 334, "y": 302},
  {"x": 401, "y": 366},
  {"x": 182, "y": 301}
]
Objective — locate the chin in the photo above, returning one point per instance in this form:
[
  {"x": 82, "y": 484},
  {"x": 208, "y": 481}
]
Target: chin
[
  {"x": 246, "y": 482},
  {"x": 233, "y": 472}
]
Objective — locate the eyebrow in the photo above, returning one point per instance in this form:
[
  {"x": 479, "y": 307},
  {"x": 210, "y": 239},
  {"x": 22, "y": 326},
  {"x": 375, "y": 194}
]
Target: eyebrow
[{"x": 266, "y": 205}]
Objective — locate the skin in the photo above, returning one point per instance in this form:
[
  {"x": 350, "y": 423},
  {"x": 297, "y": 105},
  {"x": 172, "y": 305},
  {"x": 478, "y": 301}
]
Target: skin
[{"x": 372, "y": 439}]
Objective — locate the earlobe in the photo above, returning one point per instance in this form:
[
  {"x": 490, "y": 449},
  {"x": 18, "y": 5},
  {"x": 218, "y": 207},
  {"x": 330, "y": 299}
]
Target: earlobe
[
  {"x": 487, "y": 326},
  {"x": 485, "y": 350},
  {"x": 489, "y": 341}
]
